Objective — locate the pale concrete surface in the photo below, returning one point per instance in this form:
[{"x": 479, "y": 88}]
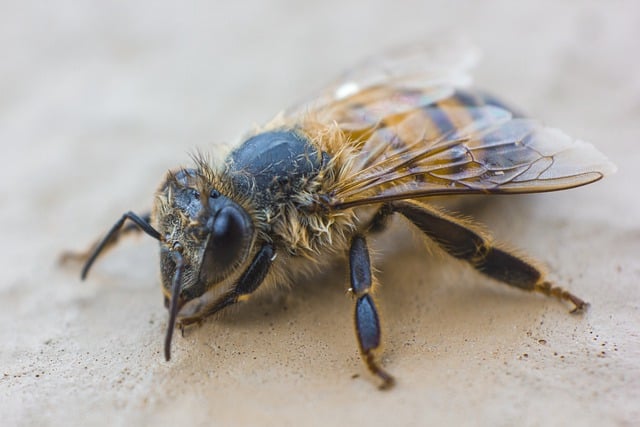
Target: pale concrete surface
[{"x": 99, "y": 98}]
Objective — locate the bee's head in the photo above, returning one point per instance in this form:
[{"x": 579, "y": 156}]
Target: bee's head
[
  {"x": 214, "y": 232},
  {"x": 207, "y": 236}
]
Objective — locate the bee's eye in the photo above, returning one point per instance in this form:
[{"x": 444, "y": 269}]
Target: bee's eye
[
  {"x": 228, "y": 232},
  {"x": 230, "y": 240},
  {"x": 231, "y": 230}
]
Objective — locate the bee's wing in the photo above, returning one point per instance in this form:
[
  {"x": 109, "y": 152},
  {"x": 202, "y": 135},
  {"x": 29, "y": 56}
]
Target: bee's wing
[
  {"x": 414, "y": 133},
  {"x": 439, "y": 66},
  {"x": 457, "y": 148}
]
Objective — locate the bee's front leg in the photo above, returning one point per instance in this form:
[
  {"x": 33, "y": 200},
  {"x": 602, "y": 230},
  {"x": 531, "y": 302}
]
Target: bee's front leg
[
  {"x": 195, "y": 311},
  {"x": 140, "y": 223},
  {"x": 366, "y": 315}
]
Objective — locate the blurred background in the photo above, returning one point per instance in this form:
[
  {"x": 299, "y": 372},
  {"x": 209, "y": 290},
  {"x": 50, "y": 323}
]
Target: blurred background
[{"x": 99, "y": 98}]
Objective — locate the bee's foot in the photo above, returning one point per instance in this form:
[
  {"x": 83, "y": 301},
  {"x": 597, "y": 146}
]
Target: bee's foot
[{"x": 579, "y": 305}]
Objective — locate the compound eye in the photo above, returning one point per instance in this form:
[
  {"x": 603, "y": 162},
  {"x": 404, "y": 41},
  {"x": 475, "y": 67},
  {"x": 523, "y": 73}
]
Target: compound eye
[
  {"x": 228, "y": 230},
  {"x": 229, "y": 242}
]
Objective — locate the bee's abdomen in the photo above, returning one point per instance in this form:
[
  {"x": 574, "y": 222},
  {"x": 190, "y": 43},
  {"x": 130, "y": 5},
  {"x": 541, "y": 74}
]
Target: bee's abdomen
[
  {"x": 477, "y": 98},
  {"x": 275, "y": 164},
  {"x": 459, "y": 110}
]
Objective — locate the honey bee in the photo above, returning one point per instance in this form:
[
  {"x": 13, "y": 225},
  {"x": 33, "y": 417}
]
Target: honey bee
[{"x": 311, "y": 186}]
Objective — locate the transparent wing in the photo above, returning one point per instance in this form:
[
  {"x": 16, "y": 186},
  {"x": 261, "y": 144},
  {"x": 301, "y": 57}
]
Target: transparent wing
[
  {"x": 415, "y": 130},
  {"x": 432, "y": 69},
  {"x": 456, "y": 148}
]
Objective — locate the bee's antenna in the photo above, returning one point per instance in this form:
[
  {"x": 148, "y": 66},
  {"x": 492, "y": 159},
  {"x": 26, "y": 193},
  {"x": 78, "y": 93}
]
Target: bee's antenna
[
  {"x": 112, "y": 236},
  {"x": 176, "y": 253}
]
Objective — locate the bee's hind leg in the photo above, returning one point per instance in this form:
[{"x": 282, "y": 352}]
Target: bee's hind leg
[
  {"x": 380, "y": 220},
  {"x": 468, "y": 243},
  {"x": 367, "y": 321}
]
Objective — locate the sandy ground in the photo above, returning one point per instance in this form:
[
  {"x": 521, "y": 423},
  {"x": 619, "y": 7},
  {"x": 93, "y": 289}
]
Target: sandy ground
[{"x": 100, "y": 98}]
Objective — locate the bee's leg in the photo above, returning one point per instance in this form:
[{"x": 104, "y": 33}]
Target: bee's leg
[
  {"x": 250, "y": 280},
  {"x": 468, "y": 243},
  {"x": 380, "y": 219},
  {"x": 114, "y": 235},
  {"x": 366, "y": 315},
  {"x": 196, "y": 310}
]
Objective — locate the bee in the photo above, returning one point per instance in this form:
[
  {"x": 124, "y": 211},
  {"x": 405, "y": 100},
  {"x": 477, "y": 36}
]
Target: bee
[{"x": 315, "y": 182}]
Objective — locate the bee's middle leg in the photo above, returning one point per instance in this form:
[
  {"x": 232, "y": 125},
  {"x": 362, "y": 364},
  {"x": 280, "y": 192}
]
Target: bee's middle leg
[
  {"x": 468, "y": 243},
  {"x": 367, "y": 321}
]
